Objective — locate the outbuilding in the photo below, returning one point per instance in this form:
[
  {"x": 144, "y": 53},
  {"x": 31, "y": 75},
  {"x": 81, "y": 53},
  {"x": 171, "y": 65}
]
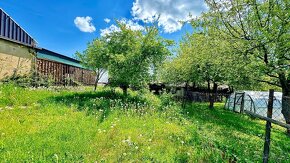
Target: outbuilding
[{"x": 19, "y": 56}]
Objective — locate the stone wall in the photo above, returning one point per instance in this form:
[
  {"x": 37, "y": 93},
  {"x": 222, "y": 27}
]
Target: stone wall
[{"x": 15, "y": 59}]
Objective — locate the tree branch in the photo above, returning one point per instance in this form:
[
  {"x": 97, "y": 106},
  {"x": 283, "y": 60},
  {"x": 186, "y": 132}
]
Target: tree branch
[{"x": 268, "y": 82}]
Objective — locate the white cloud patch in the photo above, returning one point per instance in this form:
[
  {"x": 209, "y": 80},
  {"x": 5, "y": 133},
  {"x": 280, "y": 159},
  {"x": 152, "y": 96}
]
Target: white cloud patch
[
  {"x": 107, "y": 20},
  {"x": 107, "y": 31},
  {"x": 129, "y": 23},
  {"x": 170, "y": 12},
  {"x": 84, "y": 24}
]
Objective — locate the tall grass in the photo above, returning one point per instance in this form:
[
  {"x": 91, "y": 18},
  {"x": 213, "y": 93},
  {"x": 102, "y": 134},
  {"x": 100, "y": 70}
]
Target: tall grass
[{"x": 67, "y": 126}]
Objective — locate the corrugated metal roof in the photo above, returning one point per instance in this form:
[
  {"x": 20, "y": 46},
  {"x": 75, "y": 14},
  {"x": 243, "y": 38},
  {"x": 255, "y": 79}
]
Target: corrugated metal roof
[
  {"x": 50, "y": 55},
  {"x": 10, "y": 30}
]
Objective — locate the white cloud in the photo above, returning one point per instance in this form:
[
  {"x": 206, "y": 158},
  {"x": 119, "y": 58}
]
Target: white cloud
[
  {"x": 170, "y": 12},
  {"x": 85, "y": 24},
  {"x": 132, "y": 25},
  {"x": 129, "y": 23},
  {"x": 106, "y": 31},
  {"x": 107, "y": 20}
]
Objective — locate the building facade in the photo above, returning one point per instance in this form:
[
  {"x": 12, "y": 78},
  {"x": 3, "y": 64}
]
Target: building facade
[
  {"x": 16, "y": 48},
  {"x": 19, "y": 56}
]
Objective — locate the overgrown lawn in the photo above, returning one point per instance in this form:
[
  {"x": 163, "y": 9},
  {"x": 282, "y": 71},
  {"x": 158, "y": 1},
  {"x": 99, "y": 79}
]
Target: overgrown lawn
[{"x": 64, "y": 125}]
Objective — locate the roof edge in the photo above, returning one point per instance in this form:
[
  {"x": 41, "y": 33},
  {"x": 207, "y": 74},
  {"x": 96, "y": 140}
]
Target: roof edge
[
  {"x": 59, "y": 55},
  {"x": 18, "y": 24}
]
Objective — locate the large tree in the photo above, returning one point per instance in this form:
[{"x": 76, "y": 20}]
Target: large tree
[
  {"x": 263, "y": 28},
  {"x": 205, "y": 59},
  {"x": 133, "y": 55}
]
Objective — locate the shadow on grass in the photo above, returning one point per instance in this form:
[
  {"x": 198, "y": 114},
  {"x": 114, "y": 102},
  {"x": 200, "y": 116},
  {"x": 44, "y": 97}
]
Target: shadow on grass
[
  {"x": 221, "y": 117},
  {"x": 100, "y": 101},
  {"x": 239, "y": 131}
]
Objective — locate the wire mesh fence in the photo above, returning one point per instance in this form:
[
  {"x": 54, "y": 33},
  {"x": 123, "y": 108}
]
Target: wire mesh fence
[
  {"x": 269, "y": 106},
  {"x": 257, "y": 103}
]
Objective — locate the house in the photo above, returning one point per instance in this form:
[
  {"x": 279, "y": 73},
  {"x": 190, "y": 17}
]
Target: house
[{"x": 20, "y": 56}]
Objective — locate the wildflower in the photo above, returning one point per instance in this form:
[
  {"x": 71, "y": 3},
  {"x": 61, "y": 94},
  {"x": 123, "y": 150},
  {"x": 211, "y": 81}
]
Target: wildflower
[
  {"x": 124, "y": 154},
  {"x": 150, "y": 140},
  {"x": 136, "y": 147},
  {"x": 23, "y": 107},
  {"x": 8, "y": 108},
  {"x": 182, "y": 142}
]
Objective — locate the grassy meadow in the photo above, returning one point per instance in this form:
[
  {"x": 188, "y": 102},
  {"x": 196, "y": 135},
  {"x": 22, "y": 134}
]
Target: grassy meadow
[{"x": 57, "y": 125}]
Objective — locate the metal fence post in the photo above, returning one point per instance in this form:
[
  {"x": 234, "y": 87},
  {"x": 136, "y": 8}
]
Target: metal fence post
[
  {"x": 242, "y": 103},
  {"x": 268, "y": 127}
]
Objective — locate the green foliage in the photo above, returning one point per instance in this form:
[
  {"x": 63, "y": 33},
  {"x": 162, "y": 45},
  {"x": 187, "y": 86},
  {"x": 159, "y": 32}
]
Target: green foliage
[
  {"x": 204, "y": 58},
  {"x": 128, "y": 55},
  {"x": 257, "y": 30},
  {"x": 29, "y": 80},
  {"x": 44, "y": 125},
  {"x": 95, "y": 57},
  {"x": 134, "y": 54}
]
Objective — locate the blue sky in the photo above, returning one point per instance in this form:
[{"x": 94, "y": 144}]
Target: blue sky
[{"x": 55, "y": 26}]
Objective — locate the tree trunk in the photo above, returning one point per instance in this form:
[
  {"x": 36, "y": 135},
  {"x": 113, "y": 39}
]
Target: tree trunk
[
  {"x": 97, "y": 80},
  {"x": 96, "y": 84},
  {"x": 286, "y": 107},
  {"x": 213, "y": 95},
  {"x": 209, "y": 95},
  {"x": 285, "y": 99},
  {"x": 286, "y": 110},
  {"x": 125, "y": 90}
]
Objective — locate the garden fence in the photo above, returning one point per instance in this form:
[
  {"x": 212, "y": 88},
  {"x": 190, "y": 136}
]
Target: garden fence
[{"x": 264, "y": 105}]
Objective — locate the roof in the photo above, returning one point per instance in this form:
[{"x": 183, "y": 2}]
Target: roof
[
  {"x": 12, "y": 31},
  {"x": 53, "y": 56}
]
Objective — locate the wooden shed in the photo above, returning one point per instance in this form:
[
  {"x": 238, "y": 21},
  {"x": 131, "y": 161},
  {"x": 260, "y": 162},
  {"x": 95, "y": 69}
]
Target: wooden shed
[{"x": 62, "y": 69}]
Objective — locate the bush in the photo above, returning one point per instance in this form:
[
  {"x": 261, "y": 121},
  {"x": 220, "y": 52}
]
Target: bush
[{"x": 29, "y": 81}]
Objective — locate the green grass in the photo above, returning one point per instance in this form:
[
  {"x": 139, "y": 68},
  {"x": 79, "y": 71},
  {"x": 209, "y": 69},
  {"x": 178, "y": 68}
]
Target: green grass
[{"x": 68, "y": 126}]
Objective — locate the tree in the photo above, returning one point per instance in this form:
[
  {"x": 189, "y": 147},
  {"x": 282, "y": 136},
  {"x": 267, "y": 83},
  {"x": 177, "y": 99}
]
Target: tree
[
  {"x": 95, "y": 57},
  {"x": 133, "y": 53},
  {"x": 202, "y": 58},
  {"x": 211, "y": 61},
  {"x": 262, "y": 27}
]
